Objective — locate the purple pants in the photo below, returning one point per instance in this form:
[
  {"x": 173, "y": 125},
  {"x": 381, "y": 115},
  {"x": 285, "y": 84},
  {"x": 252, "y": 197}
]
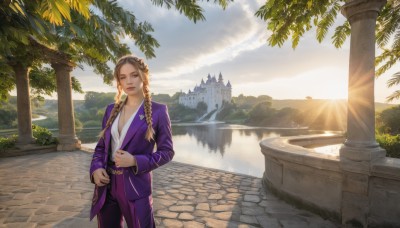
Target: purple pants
[{"x": 137, "y": 213}]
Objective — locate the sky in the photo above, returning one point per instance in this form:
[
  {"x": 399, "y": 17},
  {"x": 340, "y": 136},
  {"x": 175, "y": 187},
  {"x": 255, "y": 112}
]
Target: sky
[{"x": 233, "y": 42}]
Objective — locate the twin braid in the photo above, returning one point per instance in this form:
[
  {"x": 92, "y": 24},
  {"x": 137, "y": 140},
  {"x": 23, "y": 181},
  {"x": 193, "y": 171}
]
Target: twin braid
[
  {"x": 144, "y": 75},
  {"x": 147, "y": 113},
  {"x": 144, "y": 69},
  {"x": 114, "y": 113}
]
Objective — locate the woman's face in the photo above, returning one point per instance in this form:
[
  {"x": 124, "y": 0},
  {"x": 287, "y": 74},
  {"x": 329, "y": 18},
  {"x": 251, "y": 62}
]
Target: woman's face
[{"x": 130, "y": 80}]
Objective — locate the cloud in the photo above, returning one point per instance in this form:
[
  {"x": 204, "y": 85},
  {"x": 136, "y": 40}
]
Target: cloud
[{"x": 186, "y": 46}]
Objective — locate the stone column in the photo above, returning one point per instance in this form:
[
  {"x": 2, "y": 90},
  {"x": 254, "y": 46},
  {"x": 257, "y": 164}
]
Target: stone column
[
  {"x": 66, "y": 121},
  {"x": 360, "y": 148},
  {"x": 23, "y": 105}
]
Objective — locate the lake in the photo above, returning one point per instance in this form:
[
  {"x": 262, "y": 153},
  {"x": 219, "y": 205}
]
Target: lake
[{"x": 233, "y": 148}]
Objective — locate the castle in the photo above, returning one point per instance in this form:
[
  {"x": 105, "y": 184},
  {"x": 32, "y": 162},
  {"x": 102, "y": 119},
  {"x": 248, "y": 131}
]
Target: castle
[{"x": 211, "y": 92}]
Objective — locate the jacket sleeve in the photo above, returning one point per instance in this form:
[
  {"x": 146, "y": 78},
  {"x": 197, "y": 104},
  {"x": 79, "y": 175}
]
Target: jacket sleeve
[
  {"x": 165, "y": 151},
  {"x": 99, "y": 151}
]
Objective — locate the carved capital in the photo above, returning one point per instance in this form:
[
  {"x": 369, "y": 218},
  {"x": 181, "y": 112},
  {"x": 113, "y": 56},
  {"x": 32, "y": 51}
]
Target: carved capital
[
  {"x": 61, "y": 67},
  {"x": 362, "y": 9}
]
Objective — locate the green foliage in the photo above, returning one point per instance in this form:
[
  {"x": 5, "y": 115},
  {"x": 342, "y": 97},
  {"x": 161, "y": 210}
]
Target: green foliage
[
  {"x": 231, "y": 114},
  {"x": 98, "y": 100},
  {"x": 227, "y": 109},
  {"x": 201, "y": 108},
  {"x": 78, "y": 124},
  {"x": 8, "y": 114},
  {"x": 261, "y": 111},
  {"x": 52, "y": 123},
  {"x": 288, "y": 117},
  {"x": 176, "y": 96},
  {"x": 190, "y": 9},
  {"x": 293, "y": 18},
  {"x": 42, "y": 136},
  {"x": 182, "y": 113},
  {"x": 395, "y": 80},
  {"x": 341, "y": 33},
  {"x": 7, "y": 81},
  {"x": 247, "y": 102},
  {"x": 92, "y": 124},
  {"x": 388, "y": 121},
  {"x": 7, "y": 143},
  {"x": 391, "y": 143},
  {"x": 49, "y": 122},
  {"x": 164, "y": 98}
]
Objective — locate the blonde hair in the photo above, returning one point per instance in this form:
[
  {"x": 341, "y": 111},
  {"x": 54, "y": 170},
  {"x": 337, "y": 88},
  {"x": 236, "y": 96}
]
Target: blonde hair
[{"x": 144, "y": 75}]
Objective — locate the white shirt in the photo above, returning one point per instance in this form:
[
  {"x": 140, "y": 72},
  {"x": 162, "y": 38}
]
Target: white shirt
[{"x": 116, "y": 138}]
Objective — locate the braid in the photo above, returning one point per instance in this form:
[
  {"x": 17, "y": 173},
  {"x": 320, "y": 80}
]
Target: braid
[
  {"x": 114, "y": 112},
  {"x": 147, "y": 112}
]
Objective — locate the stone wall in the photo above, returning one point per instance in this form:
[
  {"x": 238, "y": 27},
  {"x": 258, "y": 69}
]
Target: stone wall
[
  {"x": 384, "y": 193},
  {"x": 315, "y": 181}
]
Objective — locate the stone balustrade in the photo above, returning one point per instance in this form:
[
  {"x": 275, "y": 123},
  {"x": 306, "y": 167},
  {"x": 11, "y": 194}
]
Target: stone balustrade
[{"x": 316, "y": 181}]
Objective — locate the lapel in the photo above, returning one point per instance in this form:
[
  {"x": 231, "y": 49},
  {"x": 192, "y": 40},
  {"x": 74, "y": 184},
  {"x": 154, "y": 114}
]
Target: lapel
[
  {"x": 137, "y": 122},
  {"x": 107, "y": 138}
]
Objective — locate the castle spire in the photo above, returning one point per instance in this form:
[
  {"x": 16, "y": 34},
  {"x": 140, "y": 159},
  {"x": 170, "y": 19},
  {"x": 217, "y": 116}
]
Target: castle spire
[{"x": 220, "y": 79}]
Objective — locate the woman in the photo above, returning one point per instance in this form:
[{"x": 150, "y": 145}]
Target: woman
[{"x": 124, "y": 156}]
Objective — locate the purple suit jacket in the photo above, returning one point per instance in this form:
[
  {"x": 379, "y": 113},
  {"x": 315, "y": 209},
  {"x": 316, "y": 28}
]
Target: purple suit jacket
[{"x": 138, "y": 180}]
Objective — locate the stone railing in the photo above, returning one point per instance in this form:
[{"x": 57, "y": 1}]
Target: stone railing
[{"x": 315, "y": 181}]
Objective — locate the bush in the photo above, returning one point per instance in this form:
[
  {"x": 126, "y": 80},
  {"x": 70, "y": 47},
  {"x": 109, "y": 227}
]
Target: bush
[
  {"x": 389, "y": 120},
  {"x": 50, "y": 122},
  {"x": 92, "y": 123},
  {"x": 182, "y": 113},
  {"x": 201, "y": 108},
  {"x": 391, "y": 143},
  {"x": 262, "y": 114},
  {"x": 7, "y": 143},
  {"x": 42, "y": 136}
]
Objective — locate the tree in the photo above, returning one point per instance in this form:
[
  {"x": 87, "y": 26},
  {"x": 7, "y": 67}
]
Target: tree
[
  {"x": 8, "y": 115},
  {"x": 390, "y": 119},
  {"x": 98, "y": 100},
  {"x": 261, "y": 112},
  {"x": 291, "y": 19},
  {"x": 201, "y": 108},
  {"x": 395, "y": 80}
]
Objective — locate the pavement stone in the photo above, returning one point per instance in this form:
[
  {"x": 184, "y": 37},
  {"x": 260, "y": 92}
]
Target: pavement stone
[{"x": 54, "y": 190}]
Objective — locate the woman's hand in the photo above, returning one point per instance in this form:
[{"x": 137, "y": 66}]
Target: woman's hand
[
  {"x": 101, "y": 177},
  {"x": 124, "y": 159}
]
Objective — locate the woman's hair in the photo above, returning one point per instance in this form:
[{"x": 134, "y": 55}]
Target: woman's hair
[{"x": 144, "y": 75}]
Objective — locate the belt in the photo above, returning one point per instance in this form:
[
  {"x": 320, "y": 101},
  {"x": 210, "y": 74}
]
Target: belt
[{"x": 114, "y": 172}]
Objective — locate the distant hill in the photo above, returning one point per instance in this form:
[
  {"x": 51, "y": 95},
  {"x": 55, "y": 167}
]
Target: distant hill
[{"x": 303, "y": 105}]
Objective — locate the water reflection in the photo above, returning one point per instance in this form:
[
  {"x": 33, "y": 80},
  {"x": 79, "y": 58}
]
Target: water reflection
[
  {"x": 217, "y": 137},
  {"x": 232, "y": 148},
  {"x": 208, "y": 136}
]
